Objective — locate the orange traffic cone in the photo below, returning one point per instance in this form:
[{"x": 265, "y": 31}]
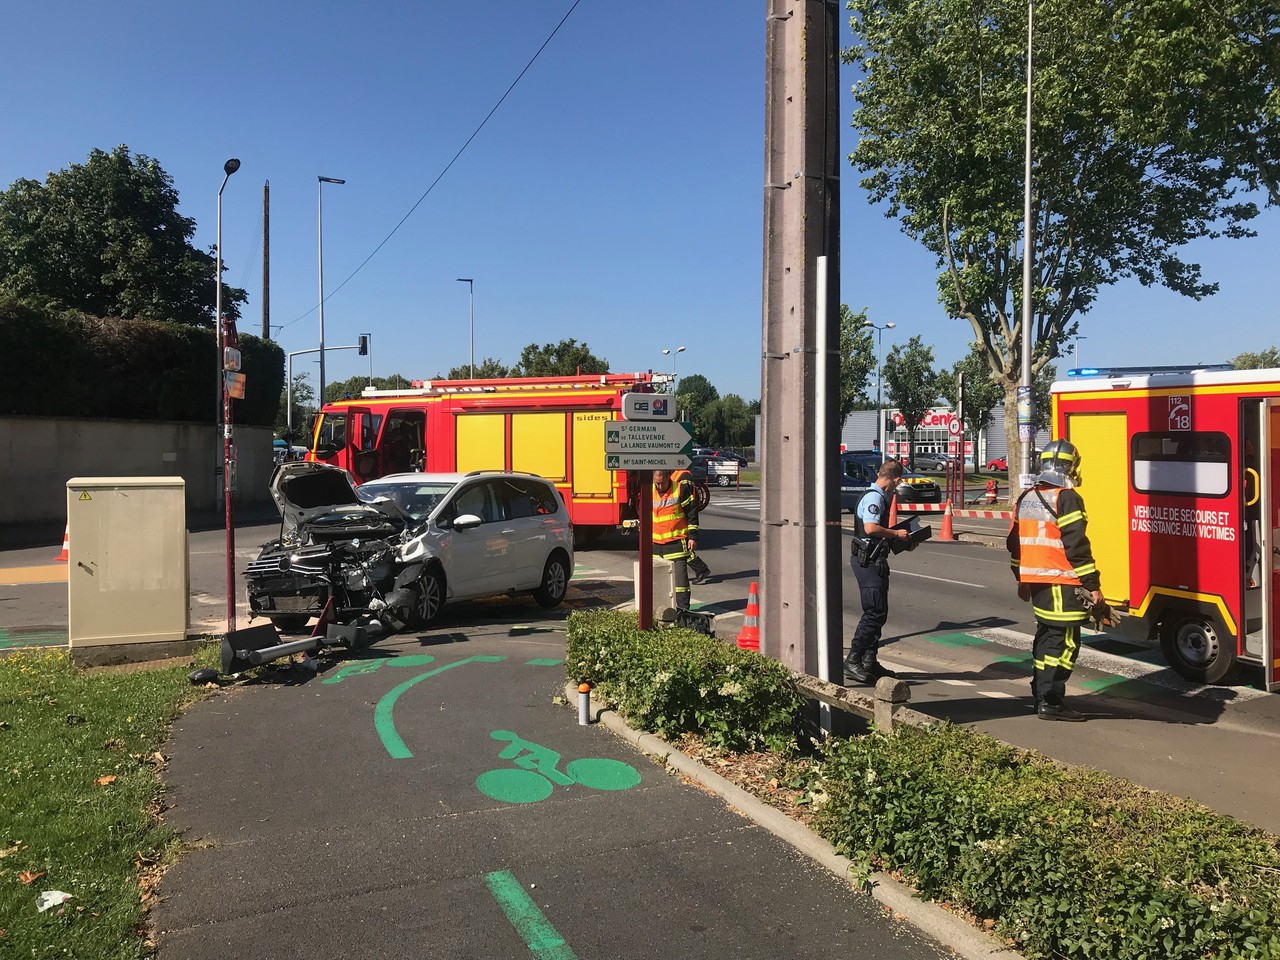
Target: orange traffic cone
[
  {"x": 893, "y": 511},
  {"x": 749, "y": 636},
  {"x": 946, "y": 534},
  {"x": 66, "y": 543}
]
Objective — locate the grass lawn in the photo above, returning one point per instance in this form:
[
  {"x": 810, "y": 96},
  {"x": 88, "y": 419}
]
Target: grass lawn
[{"x": 81, "y": 793}]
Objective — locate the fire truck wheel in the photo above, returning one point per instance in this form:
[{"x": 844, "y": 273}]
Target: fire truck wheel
[
  {"x": 1195, "y": 649},
  {"x": 291, "y": 622},
  {"x": 555, "y": 581},
  {"x": 430, "y": 598}
]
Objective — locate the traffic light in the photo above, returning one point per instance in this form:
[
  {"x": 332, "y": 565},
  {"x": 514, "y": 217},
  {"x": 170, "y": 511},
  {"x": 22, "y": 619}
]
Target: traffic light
[{"x": 363, "y": 348}]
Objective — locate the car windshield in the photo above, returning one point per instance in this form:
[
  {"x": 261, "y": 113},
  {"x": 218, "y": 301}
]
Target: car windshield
[{"x": 417, "y": 498}]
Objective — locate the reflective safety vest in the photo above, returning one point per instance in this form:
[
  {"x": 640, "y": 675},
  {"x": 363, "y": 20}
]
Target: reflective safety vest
[
  {"x": 1042, "y": 558},
  {"x": 669, "y": 520}
]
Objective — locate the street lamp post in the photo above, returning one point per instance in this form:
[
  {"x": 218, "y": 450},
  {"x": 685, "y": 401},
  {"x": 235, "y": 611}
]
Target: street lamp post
[
  {"x": 879, "y": 329},
  {"x": 673, "y": 356},
  {"x": 321, "y": 181},
  {"x": 224, "y": 405},
  {"x": 471, "y": 290}
]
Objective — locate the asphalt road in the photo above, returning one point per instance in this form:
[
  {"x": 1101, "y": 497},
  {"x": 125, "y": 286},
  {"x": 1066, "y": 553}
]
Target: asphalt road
[{"x": 429, "y": 799}]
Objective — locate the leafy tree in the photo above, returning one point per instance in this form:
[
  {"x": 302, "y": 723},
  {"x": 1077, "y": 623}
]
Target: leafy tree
[
  {"x": 1148, "y": 121},
  {"x": 1268, "y": 358},
  {"x": 105, "y": 237},
  {"x": 304, "y": 405},
  {"x": 564, "y": 359},
  {"x": 487, "y": 369},
  {"x": 857, "y": 360},
  {"x": 981, "y": 391},
  {"x": 726, "y": 422},
  {"x": 912, "y": 385},
  {"x": 693, "y": 394}
]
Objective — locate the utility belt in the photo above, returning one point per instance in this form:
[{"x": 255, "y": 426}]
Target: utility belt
[{"x": 865, "y": 551}]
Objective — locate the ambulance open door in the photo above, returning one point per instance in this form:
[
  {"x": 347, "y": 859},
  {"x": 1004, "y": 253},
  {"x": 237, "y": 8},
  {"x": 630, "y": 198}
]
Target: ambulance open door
[{"x": 1270, "y": 490}]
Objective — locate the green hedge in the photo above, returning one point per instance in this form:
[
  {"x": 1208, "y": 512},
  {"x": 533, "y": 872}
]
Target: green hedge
[
  {"x": 675, "y": 681},
  {"x": 66, "y": 364},
  {"x": 1068, "y": 862}
]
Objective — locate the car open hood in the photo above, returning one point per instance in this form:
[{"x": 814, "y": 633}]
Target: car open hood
[{"x": 307, "y": 493}]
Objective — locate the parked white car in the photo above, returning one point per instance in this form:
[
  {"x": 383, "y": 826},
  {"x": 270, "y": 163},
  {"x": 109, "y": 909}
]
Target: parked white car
[{"x": 482, "y": 533}]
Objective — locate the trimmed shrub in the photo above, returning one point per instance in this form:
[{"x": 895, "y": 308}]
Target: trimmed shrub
[
  {"x": 676, "y": 681},
  {"x": 1067, "y": 862},
  {"x": 67, "y": 364}
]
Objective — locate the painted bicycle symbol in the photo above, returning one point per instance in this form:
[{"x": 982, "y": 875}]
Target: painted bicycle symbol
[{"x": 537, "y": 772}]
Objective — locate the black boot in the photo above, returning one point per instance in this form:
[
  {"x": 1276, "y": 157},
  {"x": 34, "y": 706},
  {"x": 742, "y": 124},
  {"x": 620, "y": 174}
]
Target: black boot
[{"x": 1059, "y": 711}]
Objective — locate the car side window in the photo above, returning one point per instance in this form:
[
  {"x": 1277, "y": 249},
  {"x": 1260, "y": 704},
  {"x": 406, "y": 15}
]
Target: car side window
[{"x": 478, "y": 499}]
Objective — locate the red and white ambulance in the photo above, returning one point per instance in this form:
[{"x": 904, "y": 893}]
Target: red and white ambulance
[{"x": 1181, "y": 480}]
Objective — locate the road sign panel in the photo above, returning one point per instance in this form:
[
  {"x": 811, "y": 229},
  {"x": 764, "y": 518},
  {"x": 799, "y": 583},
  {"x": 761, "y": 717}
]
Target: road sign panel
[
  {"x": 648, "y": 406},
  {"x": 646, "y": 437},
  {"x": 645, "y": 461}
]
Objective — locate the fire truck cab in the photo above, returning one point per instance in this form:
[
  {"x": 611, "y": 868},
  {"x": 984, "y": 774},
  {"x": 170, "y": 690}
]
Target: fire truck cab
[
  {"x": 1181, "y": 480},
  {"x": 551, "y": 426}
]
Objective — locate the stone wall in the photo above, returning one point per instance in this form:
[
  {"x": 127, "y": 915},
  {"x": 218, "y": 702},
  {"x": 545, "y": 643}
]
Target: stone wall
[{"x": 39, "y": 454}]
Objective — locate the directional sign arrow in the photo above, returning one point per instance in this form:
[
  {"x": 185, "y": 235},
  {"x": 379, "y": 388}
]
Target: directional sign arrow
[
  {"x": 647, "y": 437},
  {"x": 645, "y": 461}
]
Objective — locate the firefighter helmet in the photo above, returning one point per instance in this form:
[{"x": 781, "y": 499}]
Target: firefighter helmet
[{"x": 1060, "y": 464}]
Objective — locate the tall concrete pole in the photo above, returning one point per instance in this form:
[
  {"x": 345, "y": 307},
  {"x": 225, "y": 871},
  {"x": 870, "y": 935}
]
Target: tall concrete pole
[{"x": 799, "y": 427}]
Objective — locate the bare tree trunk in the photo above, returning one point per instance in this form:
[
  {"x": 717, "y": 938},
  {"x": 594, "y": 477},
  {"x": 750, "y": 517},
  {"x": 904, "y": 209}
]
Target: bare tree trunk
[{"x": 1012, "y": 444}]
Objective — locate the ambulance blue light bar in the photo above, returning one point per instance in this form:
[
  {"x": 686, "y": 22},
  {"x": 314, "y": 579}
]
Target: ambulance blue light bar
[{"x": 1146, "y": 371}]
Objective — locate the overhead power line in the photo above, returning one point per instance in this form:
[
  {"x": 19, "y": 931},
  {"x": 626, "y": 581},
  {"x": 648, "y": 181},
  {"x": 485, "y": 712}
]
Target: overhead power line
[{"x": 475, "y": 133}]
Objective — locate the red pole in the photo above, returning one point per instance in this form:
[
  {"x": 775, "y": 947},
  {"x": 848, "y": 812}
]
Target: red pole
[
  {"x": 645, "y": 586},
  {"x": 228, "y": 463}
]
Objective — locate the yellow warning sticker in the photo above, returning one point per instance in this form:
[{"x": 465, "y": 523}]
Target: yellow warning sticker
[{"x": 85, "y": 496}]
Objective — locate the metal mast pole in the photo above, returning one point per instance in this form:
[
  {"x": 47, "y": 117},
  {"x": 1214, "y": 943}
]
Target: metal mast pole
[{"x": 1026, "y": 400}]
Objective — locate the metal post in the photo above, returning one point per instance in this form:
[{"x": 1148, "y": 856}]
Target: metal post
[
  {"x": 320, "y": 182},
  {"x": 1026, "y": 434},
  {"x": 228, "y": 168},
  {"x": 471, "y": 288},
  {"x": 228, "y": 467}
]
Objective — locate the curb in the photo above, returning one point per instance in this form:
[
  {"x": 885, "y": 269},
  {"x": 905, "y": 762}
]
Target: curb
[{"x": 947, "y": 929}]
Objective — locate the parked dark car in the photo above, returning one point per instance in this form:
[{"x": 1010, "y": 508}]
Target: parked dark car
[
  {"x": 933, "y": 461},
  {"x": 858, "y": 473}
]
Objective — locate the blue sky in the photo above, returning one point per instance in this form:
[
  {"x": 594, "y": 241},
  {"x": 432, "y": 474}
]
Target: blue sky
[{"x": 614, "y": 197}]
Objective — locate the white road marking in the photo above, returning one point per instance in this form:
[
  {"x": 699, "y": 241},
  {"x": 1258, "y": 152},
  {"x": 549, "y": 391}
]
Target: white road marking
[
  {"x": 997, "y": 694},
  {"x": 957, "y": 683},
  {"x": 925, "y": 576}
]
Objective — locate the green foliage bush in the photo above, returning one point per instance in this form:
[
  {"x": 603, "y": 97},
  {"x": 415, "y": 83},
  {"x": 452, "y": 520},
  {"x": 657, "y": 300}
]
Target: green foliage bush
[
  {"x": 69, "y": 364},
  {"x": 676, "y": 681},
  {"x": 1068, "y": 862}
]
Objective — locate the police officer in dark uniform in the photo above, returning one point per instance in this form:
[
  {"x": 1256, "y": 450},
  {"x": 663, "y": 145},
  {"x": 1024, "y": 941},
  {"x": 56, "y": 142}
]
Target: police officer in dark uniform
[{"x": 870, "y": 562}]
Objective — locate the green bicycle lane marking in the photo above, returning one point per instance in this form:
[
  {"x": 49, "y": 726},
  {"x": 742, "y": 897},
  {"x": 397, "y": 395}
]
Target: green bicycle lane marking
[
  {"x": 34, "y": 638},
  {"x": 384, "y": 722},
  {"x": 542, "y": 939}
]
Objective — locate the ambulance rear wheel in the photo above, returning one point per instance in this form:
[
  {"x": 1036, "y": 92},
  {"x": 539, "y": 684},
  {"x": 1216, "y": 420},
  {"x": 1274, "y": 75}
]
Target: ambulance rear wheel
[{"x": 1195, "y": 648}]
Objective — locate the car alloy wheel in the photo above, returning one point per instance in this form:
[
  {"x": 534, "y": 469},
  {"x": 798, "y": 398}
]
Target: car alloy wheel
[
  {"x": 430, "y": 599},
  {"x": 555, "y": 581}
]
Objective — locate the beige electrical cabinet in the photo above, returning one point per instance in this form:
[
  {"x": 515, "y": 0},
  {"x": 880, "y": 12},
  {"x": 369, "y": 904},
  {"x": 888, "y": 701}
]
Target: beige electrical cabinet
[{"x": 127, "y": 573}]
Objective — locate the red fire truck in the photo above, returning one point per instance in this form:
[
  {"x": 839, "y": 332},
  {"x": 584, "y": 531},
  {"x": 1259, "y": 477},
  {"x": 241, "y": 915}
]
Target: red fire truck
[
  {"x": 551, "y": 426},
  {"x": 1182, "y": 484}
]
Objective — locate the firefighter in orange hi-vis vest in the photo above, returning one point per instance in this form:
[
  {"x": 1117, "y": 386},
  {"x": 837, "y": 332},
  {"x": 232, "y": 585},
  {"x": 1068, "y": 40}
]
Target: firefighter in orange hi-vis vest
[
  {"x": 697, "y": 566},
  {"x": 1053, "y": 564},
  {"x": 675, "y": 529}
]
